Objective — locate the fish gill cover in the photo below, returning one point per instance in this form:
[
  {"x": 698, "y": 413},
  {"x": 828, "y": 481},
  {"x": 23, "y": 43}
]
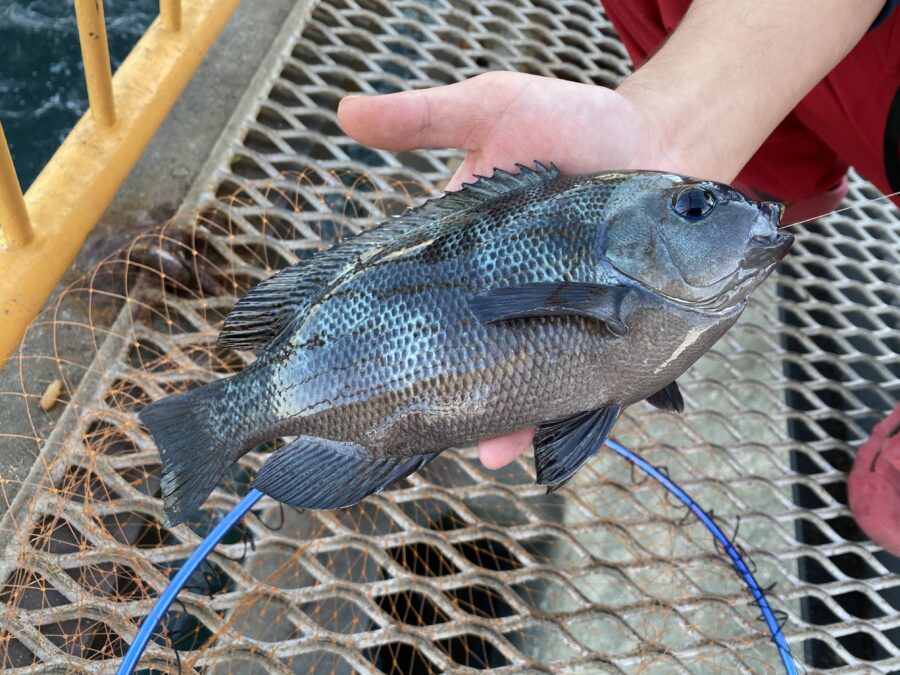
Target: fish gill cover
[{"x": 456, "y": 565}]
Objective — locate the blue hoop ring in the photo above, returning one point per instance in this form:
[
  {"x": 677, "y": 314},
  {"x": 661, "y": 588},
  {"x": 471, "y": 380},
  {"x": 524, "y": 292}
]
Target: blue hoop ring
[{"x": 167, "y": 597}]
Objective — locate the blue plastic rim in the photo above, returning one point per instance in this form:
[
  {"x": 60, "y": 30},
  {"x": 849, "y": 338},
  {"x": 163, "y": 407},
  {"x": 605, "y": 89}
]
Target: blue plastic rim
[
  {"x": 167, "y": 597},
  {"x": 737, "y": 560}
]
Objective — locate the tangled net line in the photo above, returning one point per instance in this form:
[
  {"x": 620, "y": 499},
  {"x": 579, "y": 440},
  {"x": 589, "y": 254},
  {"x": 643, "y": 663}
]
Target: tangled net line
[
  {"x": 176, "y": 284},
  {"x": 184, "y": 574}
]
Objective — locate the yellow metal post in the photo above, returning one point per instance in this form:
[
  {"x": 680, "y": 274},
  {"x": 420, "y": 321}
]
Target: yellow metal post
[
  {"x": 14, "y": 221},
  {"x": 67, "y": 199},
  {"x": 170, "y": 13},
  {"x": 95, "y": 54}
]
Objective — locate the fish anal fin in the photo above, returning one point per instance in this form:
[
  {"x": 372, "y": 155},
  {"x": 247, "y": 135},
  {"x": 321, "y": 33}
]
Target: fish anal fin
[
  {"x": 668, "y": 398},
  {"x": 562, "y": 446},
  {"x": 316, "y": 473},
  {"x": 565, "y": 298}
]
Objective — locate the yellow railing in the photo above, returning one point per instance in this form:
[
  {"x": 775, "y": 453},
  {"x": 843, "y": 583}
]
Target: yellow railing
[{"x": 42, "y": 231}]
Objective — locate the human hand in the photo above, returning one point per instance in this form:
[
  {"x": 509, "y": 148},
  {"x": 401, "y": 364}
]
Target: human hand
[{"x": 502, "y": 118}]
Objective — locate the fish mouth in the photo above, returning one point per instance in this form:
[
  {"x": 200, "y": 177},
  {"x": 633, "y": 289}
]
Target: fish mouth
[
  {"x": 764, "y": 254},
  {"x": 766, "y": 251},
  {"x": 740, "y": 279}
]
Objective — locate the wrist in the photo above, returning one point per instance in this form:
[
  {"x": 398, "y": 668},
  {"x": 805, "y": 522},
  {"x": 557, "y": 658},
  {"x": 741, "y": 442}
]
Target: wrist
[{"x": 658, "y": 140}]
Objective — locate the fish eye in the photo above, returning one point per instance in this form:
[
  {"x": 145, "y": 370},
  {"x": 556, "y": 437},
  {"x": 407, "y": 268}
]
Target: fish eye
[{"x": 693, "y": 202}]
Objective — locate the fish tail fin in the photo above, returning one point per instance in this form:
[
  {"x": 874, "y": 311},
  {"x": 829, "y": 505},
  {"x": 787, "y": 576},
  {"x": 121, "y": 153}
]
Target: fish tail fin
[{"x": 194, "y": 449}]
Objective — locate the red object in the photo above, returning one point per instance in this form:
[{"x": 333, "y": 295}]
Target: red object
[
  {"x": 801, "y": 210},
  {"x": 841, "y": 122},
  {"x": 874, "y": 485}
]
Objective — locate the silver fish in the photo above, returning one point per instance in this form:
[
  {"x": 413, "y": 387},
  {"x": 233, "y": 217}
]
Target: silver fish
[{"x": 527, "y": 299}]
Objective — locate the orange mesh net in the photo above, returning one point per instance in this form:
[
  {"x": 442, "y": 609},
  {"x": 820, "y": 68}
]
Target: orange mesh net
[{"x": 456, "y": 566}]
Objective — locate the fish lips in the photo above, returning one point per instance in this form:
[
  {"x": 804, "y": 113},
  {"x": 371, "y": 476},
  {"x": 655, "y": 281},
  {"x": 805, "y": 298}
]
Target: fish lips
[{"x": 766, "y": 251}]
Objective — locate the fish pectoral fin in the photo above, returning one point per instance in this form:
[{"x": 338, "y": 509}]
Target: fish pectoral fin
[
  {"x": 316, "y": 473},
  {"x": 565, "y": 298},
  {"x": 562, "y": 446},
  {"x": 668, "y": 398}
]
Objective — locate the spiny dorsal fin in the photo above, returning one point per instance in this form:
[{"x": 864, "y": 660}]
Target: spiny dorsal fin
[
  {"x": 485, "y": 189},
  {"x": 266, "y": 310}
]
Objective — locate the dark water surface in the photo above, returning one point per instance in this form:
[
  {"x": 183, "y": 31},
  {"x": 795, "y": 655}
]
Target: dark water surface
[{"x": 42, "y": 90}]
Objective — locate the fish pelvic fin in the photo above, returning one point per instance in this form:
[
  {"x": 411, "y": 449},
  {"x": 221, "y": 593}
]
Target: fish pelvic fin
[
  {"x": 195, "y": 452},
  {"x": 668, "y": 398},
  {"x": 561, "y": 447},
  {"x": 316, "y": 473}
]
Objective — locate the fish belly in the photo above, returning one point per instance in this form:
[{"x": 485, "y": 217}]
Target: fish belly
[{"x": 497, "y": 380}]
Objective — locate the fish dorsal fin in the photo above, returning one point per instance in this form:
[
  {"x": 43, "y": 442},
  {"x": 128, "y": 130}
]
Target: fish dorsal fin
[
  {"x": 265, "y": 311},
  {"x": 269, "y": 307},
  {"x": 486, "y": 189}
]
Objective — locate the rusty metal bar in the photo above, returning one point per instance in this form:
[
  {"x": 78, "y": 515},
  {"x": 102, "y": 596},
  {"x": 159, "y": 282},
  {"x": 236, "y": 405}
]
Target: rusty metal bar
[
  {"x": 14, "y": 221},
  {"x": 170, "y": 13},
  {"x": 95, "y": 54}
]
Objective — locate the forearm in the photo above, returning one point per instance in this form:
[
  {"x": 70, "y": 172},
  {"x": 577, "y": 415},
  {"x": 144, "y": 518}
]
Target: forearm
[{"x": 732, "y": 70}]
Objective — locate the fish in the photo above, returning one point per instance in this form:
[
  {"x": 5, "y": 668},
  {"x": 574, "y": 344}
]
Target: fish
[{"x": 525, "y": 299}]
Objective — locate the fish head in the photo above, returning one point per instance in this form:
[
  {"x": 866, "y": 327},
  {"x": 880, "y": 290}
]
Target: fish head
[{"x": 696, "y": 242}]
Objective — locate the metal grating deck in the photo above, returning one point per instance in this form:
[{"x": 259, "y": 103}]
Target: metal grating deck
[{"x": 458, "y": 567}]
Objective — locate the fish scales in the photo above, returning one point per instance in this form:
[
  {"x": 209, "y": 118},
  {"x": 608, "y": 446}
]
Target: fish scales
[
  {"x": 527, "y": 299},
  {"x": 403, "y": 320}
]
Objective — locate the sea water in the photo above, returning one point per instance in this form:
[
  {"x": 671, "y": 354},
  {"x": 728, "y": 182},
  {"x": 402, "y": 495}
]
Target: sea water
[{"x": 42, "y": 90}]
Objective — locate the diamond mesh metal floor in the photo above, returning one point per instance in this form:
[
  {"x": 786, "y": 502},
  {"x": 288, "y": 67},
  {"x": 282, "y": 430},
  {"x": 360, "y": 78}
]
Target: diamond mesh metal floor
[{"x": 458, "y": 566}]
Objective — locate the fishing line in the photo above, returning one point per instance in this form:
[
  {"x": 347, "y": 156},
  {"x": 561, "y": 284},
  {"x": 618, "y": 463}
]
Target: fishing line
[
  {"x": 180, "y": 580},
  {"x": 136, "y": 650},
  {"x": 846, "y": 208}
]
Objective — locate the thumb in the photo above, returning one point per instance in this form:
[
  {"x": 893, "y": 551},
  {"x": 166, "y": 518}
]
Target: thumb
[{"x": 452, "y": 116}]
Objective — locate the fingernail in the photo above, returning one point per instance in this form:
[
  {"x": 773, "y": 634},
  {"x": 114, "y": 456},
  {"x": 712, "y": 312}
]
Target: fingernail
[{"x": 348, "y": 100}]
